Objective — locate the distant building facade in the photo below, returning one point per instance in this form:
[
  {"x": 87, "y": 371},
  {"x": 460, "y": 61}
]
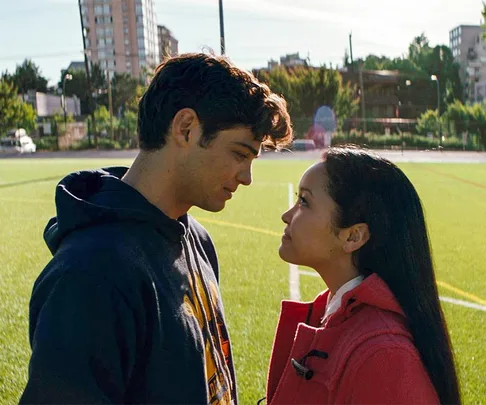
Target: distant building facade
[
  {"x": 168, "y": 44},
  {"x": 47, "y": 105},
  {"x": 469, "y": 51},
  {"x": 121, "y": 34}
]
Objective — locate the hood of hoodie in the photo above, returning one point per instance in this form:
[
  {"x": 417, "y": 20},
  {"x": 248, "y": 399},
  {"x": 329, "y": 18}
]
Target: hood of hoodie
[{"x": 89, "y": 198}]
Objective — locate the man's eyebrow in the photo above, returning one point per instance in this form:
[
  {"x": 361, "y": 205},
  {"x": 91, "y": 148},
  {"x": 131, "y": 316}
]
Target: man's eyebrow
[{"x": 249, "y": 147}]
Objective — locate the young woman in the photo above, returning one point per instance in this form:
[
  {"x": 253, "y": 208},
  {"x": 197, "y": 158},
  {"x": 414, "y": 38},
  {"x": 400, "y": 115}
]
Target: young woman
[{"x": 377, "y": 335}]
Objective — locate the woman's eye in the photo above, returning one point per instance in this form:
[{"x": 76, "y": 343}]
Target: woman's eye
[{"x": 301, "y": 200}]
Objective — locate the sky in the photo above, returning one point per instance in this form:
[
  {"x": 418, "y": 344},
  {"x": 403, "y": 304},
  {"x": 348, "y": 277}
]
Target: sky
[{"x": 49, "y": 31}]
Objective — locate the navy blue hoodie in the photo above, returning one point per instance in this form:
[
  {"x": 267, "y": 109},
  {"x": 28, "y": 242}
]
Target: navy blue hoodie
[{"x": 128, "y": 310}]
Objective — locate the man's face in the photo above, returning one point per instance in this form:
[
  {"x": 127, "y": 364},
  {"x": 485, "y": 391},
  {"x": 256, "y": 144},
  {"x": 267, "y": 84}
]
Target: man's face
[{"x": 213, "y": 173}]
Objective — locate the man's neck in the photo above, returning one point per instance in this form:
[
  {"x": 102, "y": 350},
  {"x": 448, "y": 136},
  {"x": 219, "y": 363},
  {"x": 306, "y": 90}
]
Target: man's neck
[{"x": 155, "y": 181}]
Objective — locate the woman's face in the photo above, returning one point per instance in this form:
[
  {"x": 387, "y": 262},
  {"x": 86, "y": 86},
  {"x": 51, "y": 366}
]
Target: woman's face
[{"x": 310, "y": 237}]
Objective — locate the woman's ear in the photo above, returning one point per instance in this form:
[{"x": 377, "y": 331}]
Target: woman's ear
[{"x": 355, "y": 237}]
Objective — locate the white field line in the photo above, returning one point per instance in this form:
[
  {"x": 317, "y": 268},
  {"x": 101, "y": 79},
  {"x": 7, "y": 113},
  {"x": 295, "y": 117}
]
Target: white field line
[
  {"x": 449, "y": 300},
  {"x": 294, "y": 284}
]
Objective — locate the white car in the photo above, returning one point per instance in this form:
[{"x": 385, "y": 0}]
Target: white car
[{"x": 25, "y": 145}]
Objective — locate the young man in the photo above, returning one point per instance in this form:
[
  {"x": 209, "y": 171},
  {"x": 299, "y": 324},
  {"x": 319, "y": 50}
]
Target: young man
[{"x": 129, "y": 310}]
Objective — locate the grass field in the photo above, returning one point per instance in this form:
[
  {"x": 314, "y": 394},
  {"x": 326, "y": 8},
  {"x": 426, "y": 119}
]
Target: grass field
[{"x": 254, "y": 280}]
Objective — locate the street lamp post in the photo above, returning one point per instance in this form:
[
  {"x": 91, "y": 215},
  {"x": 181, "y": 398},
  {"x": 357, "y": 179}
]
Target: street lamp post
[
  {"x": 67, "y": 76},
  {"x": 436, "y": 79}
]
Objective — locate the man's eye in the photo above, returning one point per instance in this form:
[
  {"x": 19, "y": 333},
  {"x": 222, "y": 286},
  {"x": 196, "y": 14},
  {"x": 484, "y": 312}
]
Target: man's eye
[{"x": 240, "y": 156}]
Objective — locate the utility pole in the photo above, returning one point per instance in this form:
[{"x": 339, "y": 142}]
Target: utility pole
[
  {"x": 351, "y": 50},
  {"x": 221, "y": 28},
  {"x": 88, "y": 80},
  {"x": 363, "y": 104}
]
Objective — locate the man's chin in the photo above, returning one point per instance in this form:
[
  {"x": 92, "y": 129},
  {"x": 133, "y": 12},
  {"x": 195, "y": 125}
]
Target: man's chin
[{"x": 213, "y": 207}]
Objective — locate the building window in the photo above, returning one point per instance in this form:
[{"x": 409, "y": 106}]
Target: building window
[
  {"x": 107, "y": 9},
  {"x": 108, "y": 31},
  {"x": 98, "y": 10},
  {"x": 100, "y": 32}
]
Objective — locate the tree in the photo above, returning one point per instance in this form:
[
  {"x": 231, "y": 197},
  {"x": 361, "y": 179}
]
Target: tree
[
  {"x": 457, "y": 115},
  {"x": 418, "y": 49},
  {"x": 132, "y": 104},
  {"x": 98, "y": 77},
  {"x": 440, "y": 62},
  {"x": 428, "y": 123},
  {"x": 484, "y": 19},
  {"x": 78, "y": 86},
  {"x": 102, "y": 119},
  {"x": 27, "y": 76},
  {"x": 123, "y": 89},
  {"x": 307, "y": 88},
  {"x": 477, "y": 121},
  {"x": 13, "y": 111}
]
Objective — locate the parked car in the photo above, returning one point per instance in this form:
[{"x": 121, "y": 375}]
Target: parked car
[{"x": 24, "y": 144}]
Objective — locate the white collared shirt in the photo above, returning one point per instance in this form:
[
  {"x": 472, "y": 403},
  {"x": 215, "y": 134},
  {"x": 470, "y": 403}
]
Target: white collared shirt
[{"x": 334, "y": 303}]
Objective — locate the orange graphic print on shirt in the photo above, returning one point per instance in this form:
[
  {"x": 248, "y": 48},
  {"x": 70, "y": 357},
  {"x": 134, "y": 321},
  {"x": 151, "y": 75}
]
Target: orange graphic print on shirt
[{"x": 216, "y": 340}]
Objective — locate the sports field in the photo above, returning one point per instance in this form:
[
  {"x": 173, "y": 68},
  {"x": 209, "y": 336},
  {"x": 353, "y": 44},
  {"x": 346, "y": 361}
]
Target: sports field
[{"x": 253, "y": 278}]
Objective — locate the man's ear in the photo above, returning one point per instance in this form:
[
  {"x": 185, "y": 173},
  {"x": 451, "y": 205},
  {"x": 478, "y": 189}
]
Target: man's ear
[
  {"x": 355, "y": 237},
  {"x": 183, "y": 125}
]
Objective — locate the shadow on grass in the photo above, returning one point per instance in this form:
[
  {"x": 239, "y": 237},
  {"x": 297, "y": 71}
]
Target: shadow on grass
[{"x": 33, "y": 181}]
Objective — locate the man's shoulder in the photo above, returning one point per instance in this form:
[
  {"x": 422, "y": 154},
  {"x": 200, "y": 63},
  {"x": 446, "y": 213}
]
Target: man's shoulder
[
  {"x": 98, "y": 253},
  {"x": 196, "y": 227}
]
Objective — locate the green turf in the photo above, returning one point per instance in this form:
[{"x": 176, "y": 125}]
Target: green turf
[{"x": 253, "y": 278}]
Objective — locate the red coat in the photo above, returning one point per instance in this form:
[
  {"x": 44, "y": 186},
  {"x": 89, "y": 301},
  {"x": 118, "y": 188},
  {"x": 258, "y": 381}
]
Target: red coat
[{"x": 364, "y": 354}]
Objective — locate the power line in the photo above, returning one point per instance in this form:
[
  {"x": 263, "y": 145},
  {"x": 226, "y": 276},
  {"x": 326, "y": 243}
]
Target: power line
[
  {"x": 133, "y": 55},
  {"x": 41, "y": 56}
]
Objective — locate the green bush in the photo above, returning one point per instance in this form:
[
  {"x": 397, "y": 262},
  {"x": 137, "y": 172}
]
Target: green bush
[
  {"x": 103, "y": 144},
  {"x": 46, "y": 143},
  {"x": 428, "y": 122},
  {"x": 410, "y": 141}
]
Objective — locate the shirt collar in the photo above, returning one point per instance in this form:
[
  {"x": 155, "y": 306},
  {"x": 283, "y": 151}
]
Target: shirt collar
[{"x": 334, "y": 303}]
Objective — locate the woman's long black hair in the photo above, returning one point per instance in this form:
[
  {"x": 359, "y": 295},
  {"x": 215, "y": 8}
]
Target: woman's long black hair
[{"x": 369, "y": 189}]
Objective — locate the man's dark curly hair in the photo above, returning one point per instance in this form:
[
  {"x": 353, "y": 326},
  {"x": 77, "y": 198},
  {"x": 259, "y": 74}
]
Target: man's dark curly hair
[{"x": 222, "y": 95}]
